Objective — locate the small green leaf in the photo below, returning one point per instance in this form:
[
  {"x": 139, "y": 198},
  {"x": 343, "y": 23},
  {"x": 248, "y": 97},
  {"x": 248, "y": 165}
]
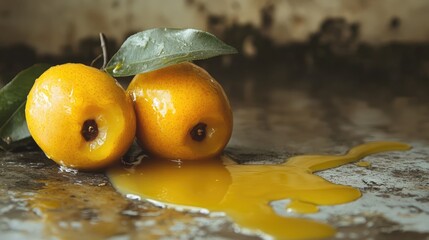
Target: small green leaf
[
  {"x": 160, "y": 47},
  {"x": 13, "y": 127}
]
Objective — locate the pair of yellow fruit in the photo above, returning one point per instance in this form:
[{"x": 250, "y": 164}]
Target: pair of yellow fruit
[{"x": 82, "y": 118}]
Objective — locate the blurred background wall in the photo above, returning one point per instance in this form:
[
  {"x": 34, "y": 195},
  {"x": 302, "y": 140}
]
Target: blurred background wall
[
  {"x": 387, "y": 37},
  {"x": 51, "y": 26}
]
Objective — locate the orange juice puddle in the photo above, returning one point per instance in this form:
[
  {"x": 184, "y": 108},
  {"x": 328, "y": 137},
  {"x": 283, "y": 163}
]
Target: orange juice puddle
[{"x": 244, "y": 192}]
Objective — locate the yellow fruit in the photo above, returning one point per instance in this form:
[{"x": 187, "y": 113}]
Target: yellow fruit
[
  {"x": 182, "y": 112},
  {"x": 80, "y": 116}
]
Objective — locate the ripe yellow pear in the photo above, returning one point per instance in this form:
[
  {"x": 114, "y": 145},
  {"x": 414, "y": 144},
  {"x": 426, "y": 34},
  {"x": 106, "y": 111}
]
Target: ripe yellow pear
[
  {"x": 182, "y": 112},
  {"x": 80, "y": 116}
]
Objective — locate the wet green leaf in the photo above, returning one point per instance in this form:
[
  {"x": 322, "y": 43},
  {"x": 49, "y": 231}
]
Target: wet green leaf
[
  {"x": 13, "y": 127},
  {"x": 160, "y": 47}
]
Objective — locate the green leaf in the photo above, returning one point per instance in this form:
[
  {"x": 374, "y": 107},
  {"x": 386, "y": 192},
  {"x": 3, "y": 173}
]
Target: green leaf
[
  {"x": 160, "y": 47},
  {"x": 13, "y": 127}
]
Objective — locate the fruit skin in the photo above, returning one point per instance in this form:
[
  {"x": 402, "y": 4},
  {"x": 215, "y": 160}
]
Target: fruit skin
[
  {"x": 59, "y": 103},
  {"x": 170, "y": 102}
]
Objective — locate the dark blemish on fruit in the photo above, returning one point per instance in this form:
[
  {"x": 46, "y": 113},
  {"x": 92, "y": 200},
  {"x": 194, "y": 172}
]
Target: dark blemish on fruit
[
  {"x": 198, "y": 132},
  {"x": 89, "y": 130}
]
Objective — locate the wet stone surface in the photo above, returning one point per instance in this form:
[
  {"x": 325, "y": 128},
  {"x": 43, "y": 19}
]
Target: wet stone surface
[{"x": 276, "y": 115}]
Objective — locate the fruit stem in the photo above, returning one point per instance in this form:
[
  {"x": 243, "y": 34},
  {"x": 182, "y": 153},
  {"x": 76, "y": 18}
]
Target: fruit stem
[
  {"x": 95, "y": 60},
  {"x": 103, "y": 48}
]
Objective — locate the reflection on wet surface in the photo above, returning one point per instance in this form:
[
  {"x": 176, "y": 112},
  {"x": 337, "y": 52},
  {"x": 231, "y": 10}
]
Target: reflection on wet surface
[
  {"x": 313, "y": 113},
  {"x": 276, "y": 115}
]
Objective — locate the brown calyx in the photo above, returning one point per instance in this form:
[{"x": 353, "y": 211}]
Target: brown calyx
[
  {"x": 198, "y": 132},
  {"x": 89, "y": 130}
]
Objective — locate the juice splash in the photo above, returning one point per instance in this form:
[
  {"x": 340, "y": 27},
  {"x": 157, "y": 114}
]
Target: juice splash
[{"x": 244, "y": 192}]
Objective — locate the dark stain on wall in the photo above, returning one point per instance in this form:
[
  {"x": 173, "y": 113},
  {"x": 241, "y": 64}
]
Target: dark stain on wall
[
  {"x": 334, "y": 47},
  {"x": 267, "y": 16},
  {"x": 395, "y": 23}
]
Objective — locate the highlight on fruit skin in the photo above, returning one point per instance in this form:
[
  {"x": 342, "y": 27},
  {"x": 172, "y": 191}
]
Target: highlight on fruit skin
[
  {"x": 80, "y": 116},
  {"x": 182, "y": 112}
]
